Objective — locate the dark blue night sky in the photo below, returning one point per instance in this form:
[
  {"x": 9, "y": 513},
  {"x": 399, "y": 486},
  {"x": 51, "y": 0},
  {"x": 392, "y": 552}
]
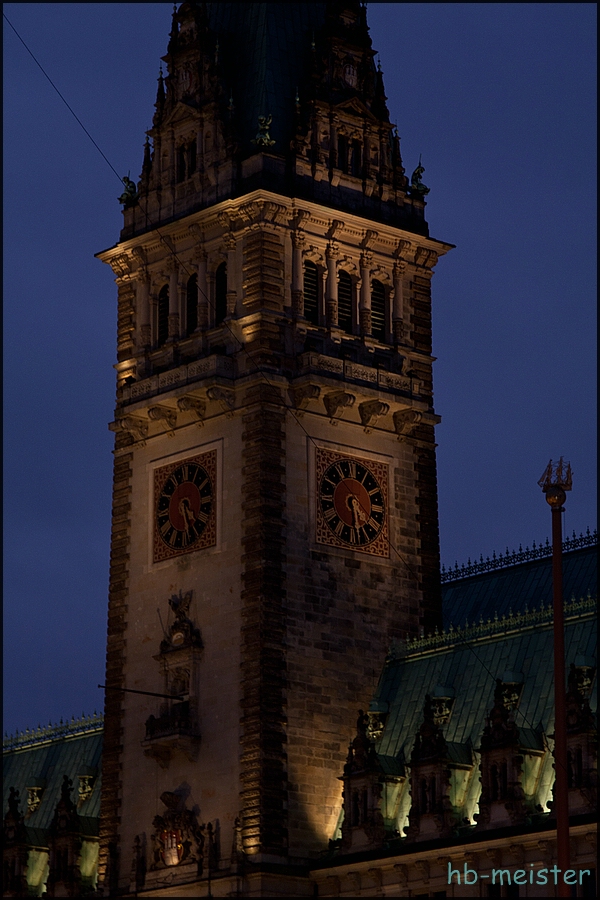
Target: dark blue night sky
[{"x": 499, "y": 98}]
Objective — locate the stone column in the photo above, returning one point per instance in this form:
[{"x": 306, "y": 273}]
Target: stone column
[
  {"x": 231, "y": 260},
  {"x": 298, "y": 241},
  {"x": 202, "y": 293},
  {"x": 364, "y": 306},
  {"x": 398, "y": 308},
  {"x": 331, "y": 290},
  {"x": 173, "y": 303},
  {"x": 143, "y": 306}
]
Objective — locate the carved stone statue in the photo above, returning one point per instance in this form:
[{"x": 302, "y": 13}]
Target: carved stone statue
[
  {"x": 263, "y": 138},
  {"x": 416, "y": 185},
  {"x": 130, "y": 196}
]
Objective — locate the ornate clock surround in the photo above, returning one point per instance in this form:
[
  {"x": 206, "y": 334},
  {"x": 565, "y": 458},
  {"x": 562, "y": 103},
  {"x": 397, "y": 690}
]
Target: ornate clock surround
[
  {"x": 352, "y": 470},
  {"x": 195, "y": 478}
]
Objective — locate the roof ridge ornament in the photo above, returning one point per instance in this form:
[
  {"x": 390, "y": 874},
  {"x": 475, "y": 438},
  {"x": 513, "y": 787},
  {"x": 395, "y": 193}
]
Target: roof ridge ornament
[
  {"x": 263, "y": 138},
  {"x": 416, "y": 185}
]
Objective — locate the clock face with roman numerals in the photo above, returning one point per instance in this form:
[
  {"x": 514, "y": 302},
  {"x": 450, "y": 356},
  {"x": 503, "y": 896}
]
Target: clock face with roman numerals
[
  {"x": 184, "y": 518},
  {"x": 352, "y": 503}
]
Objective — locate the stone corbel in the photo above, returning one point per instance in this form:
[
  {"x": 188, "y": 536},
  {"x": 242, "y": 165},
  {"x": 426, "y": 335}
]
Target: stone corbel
[
  {"x": 335, "y": 404},
  {"x": 422, "y": 867},
  {"x": 335, "y": 228},
  {"x": 139, "y": 254},
  {"x": 302, "y": 394},
  {"x": 300, "y": 219},
  {"x": 354, "y": 878},
  {"x": 165, "y": 414},
  {"x": 194, "y": 405},
  {"x": 134, "y": 426},
  {"x": 368, "y": 239},
  {"x": 223, "y": 396},
  {"x": 518, "y": 853},
  {"x": 405, "y": 420},
  {"x": 402, "y": 873},
  {"x": 426, "y": 258},
  {"x": 402, "y": 249},
  {"x": 333, "y": 885},
  {"x": 121, "y": 265},
  {"x": 370, "y": 411},
  {"x": 495, "y": 856}
]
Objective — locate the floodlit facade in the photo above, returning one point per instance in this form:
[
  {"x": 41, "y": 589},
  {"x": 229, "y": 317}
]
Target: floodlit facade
[{"x": 275, "y": 527}]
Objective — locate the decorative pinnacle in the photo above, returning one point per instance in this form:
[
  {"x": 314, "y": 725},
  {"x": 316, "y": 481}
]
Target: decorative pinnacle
[{"x": 555, "y": 480}]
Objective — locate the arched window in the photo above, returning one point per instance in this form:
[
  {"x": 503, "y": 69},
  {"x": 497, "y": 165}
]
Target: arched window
[
  {"x": 365, "y": 805},
  {"x": 163, "y": 316},
  {"x": 343, "y": 153},
  {"x": 345, "y": 302},
  {"x": 192, "y": 304},
  {"x": 220, "y": 293},
  {"x": 311, "y": 292},
  {"x": 355, "y": 167},
  {"x": 378, "y": 328}
]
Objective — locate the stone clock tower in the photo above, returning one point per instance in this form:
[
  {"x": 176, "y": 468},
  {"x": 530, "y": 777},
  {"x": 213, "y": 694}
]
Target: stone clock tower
[{"x": 274, "y": 505}]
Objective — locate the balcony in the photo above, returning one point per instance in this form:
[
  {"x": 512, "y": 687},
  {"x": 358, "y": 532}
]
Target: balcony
[{"x": 174, "y": 731}]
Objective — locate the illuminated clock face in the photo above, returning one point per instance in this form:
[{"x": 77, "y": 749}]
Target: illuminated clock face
[
  {"x": 352, "y": 502},
  {"x": 184, "y": 507}
]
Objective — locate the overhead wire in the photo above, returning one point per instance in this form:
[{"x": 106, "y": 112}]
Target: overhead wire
[
  {"x": 173, "y": 253},
  {"x": 260, "y": 371}
]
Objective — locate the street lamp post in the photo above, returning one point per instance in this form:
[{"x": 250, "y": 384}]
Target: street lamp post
[{"x": 554, "y": 482}]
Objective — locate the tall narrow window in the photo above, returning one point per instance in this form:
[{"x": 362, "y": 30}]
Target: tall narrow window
[
  {"x": 311, "y": 292},
  {"x": 378, "y": 328},
  {"x": 163, "y": 316},
  {"x": 181, "y": 163},
  {"x": 192, "y": 158},
  {"x": 345, "y": 302},
  {"x": 355, "y": 166},
  {"x": 343, "y": 153},
  {"x": 192, "y": 304},
  {"x": 220, "y": 293}
]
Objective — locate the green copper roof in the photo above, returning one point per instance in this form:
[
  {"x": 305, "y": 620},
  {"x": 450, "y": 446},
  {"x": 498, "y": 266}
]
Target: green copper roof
[
  {"x": 517, "y": 587},
  {"x": 43, "y": 761},
  {"x": 470, "y": 670}
]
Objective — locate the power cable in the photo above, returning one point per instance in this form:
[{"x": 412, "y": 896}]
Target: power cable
[
  {"x": 213, "y": 306},
  {"x": 183, "y": 266}
]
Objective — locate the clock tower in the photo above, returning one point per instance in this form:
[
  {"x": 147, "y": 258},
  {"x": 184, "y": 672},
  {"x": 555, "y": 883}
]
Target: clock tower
[{"x": 274, "y": 503}]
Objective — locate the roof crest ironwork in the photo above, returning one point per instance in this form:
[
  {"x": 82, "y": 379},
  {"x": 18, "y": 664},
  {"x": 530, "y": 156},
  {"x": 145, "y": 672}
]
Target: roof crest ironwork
[
  {"x": 503, "y": 561},
  {"x": 42, "y": 735},
  {"x": 514, "y": 622}
]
